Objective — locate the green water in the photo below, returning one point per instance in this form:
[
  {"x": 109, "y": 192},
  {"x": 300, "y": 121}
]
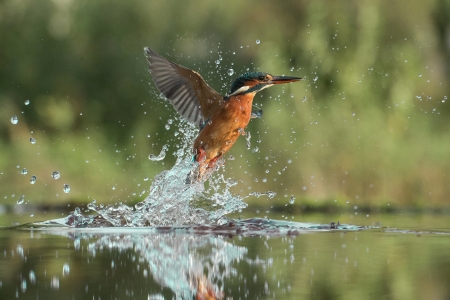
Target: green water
[{"x": 405, "y": 257}]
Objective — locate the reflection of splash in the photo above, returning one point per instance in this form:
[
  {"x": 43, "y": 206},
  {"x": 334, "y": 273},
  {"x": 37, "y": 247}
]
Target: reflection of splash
[
  {"x": 201, "y": 261},
  {"x": 190, "y": 265}
]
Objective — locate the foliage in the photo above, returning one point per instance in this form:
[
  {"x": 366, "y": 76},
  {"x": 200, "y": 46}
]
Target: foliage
[{"x": 369, "y": 123}]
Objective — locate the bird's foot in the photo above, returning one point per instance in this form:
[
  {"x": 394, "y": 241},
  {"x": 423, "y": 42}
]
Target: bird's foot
[{"x": 200, "y": 155}]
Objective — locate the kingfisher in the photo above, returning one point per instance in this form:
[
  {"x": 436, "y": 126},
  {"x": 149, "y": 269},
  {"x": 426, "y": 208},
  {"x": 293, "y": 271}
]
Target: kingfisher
[{"x": 221, "y": 119}]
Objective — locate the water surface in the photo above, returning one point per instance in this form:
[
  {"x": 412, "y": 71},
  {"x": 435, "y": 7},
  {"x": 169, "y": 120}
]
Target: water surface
[{"x": 271, "y": 260}]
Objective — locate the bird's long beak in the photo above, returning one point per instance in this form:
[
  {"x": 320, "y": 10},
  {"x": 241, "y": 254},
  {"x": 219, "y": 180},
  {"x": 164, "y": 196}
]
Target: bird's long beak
[{"x": 284, "y": 79}]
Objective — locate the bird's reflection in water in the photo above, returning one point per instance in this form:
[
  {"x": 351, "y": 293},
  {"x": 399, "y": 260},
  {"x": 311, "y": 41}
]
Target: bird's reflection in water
[{"x": 192, "y": 266}]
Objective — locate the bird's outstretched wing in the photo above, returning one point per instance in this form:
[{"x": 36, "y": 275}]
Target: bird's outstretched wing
[{"x": 191, "y": 96}]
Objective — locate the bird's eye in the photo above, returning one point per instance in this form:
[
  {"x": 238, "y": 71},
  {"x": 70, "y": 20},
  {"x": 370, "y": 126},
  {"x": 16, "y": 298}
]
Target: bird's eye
[{"x": 262, "y": 78}]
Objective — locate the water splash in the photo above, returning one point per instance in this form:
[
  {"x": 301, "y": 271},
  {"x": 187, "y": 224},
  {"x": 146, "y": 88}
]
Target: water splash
[
  {"x": 171, "y": 202},
  {"x": 161, "y": 155}
]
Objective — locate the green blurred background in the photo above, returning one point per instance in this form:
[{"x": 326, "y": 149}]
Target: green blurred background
[{"x": 368, "y": 127}]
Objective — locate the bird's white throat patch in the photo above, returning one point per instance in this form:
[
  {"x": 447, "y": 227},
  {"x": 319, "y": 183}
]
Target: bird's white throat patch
[{"x": 240, "y": 90}]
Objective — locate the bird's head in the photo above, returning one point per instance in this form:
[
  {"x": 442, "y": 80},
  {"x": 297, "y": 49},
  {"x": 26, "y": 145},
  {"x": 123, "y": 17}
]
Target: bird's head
[{"x": 253, "y": 82}]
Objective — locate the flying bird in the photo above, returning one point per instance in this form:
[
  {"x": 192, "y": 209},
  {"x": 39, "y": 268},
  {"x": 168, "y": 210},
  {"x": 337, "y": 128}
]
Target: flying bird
[{"x": 222, "y": 119}]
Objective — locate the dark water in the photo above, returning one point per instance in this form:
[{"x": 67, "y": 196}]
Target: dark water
[{"x": 252, "y": 259}]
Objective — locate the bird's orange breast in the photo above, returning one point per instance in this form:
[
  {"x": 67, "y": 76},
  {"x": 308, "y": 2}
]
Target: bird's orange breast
[{"x": 222, "y": 131}]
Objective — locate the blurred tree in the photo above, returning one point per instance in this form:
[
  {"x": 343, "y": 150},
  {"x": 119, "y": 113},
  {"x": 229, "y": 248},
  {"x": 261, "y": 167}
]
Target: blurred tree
[{"x": 368, "y": 124}]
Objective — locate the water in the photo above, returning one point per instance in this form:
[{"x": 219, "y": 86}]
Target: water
[
  {"x": 183, "y": 241},
  {"x": 56, "y": 175},
  {"x": 266, "y": 260},
  {"x": 14, "y": 120},
  {"x": 66, "y": 188},
  {"x": 174, "y": 199},
  {"x": 171, "y": 202}
]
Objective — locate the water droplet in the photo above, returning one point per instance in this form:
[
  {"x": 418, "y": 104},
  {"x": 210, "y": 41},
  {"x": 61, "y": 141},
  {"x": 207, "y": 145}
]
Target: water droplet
[
  {"x": 54, "y": 283},
  {"x": 27, "y": 102},
  {"x": 33, "y": 179},
  {"x": 271, "y": 194},
  {"x": 24, "y": 171},
  {"x": 139, "y": 205},
  {"x": 232, "y": 182},
  {"x": 353, "y": 114},
  {"x": 315, "y": 78},
  {"x": 146, "y": 179},
  {"x": 23, "y": 286},
  {"x": 420, "y": 75},
  {"x": 161, "y": 155},
  {"x": 19, "y": 250},
  {"x": 231, "y": 157},
  {"x": 32, "y": 140},
  {"x": 248, "y": 136},
  {"x": 32, "y": 277},
  {"x": 217, "y": 62},
  {"x": 230, "y": 72},
  {"x": 258, "y": 42},
  {"x": 14, "y": 120},
  {"x": 56, "y": 175},
  {"x": 92, "y": 205},
  {"x": 66, "y": 188},
  {"x": 66, "y": 269},
  {"x": 292, "y": 200},
  {"x": 21, "y": 199},
  {"x": 167, "y": 126}
]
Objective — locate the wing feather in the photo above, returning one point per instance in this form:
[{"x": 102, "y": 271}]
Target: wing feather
[{"x": 186, "y": 90}]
